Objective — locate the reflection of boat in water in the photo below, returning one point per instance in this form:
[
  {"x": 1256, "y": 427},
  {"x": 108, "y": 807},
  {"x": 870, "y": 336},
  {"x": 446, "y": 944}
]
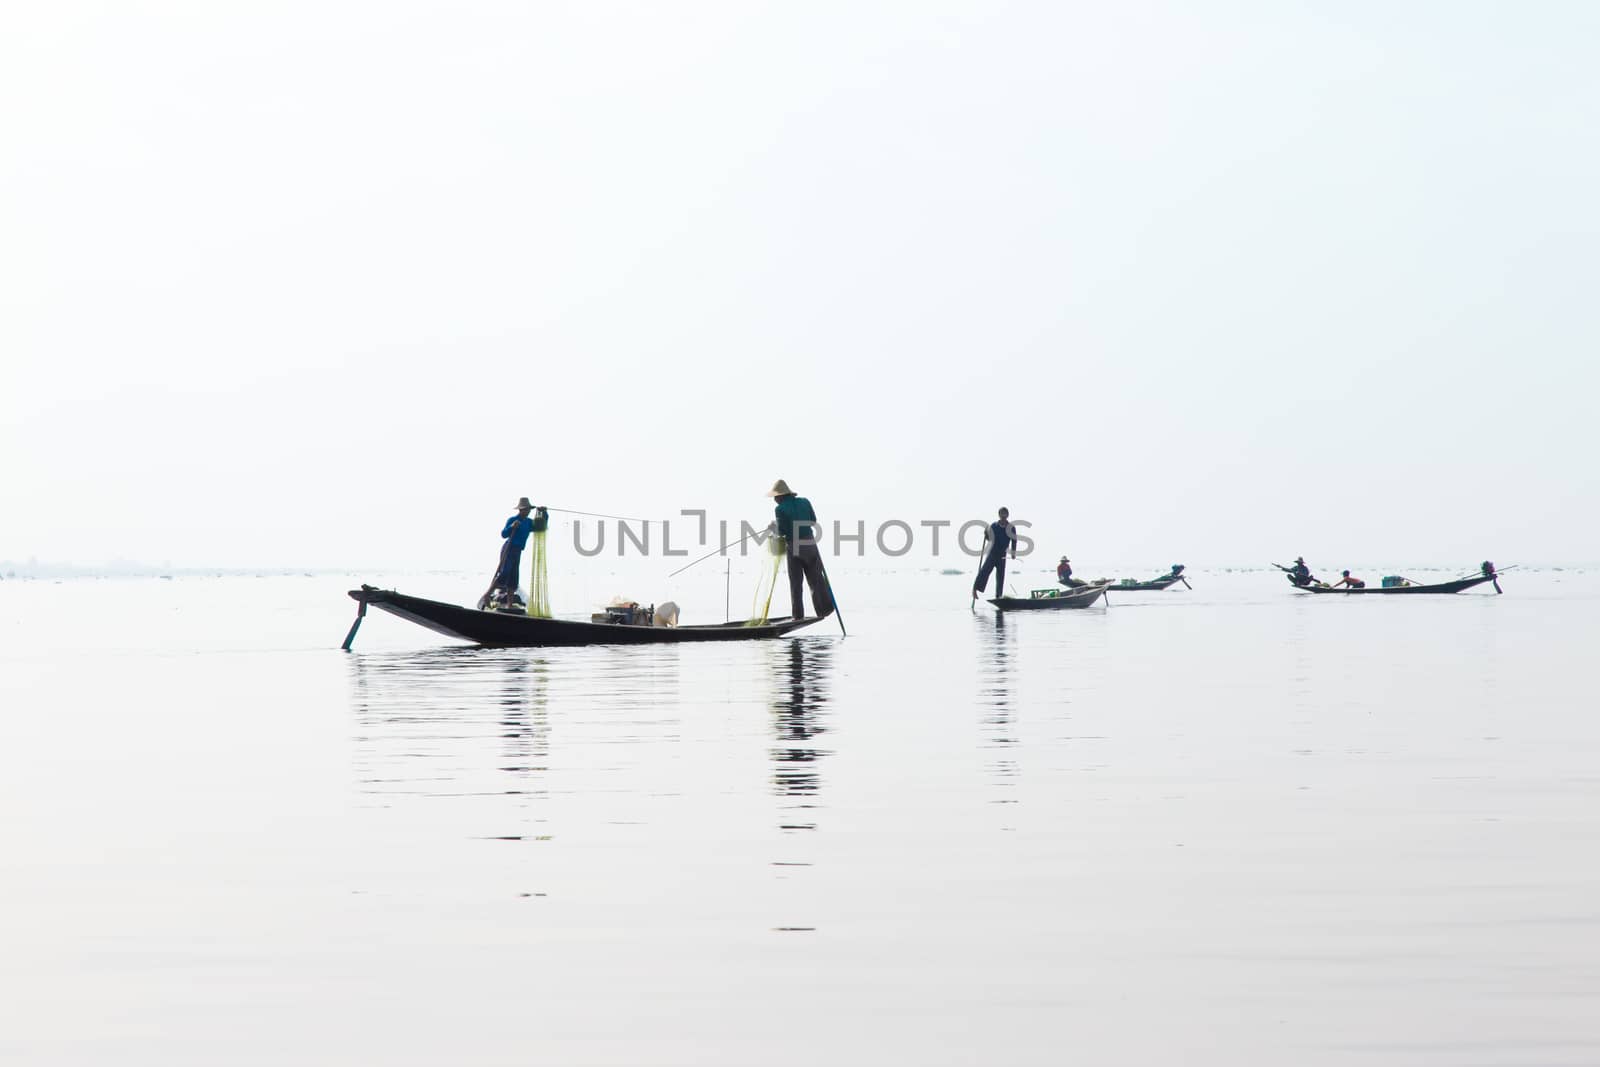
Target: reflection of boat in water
[
  {"x": 509, "y": 629},
  {"x": 1052, "y": 599},
  {"x": 455, "y": 722}
]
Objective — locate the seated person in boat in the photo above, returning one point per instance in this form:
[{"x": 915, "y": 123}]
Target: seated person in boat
[
  {"x": 1353, "y": 583},
  {"x": 1488, "y": 569},
  {"x": 1300, "y": 574},
  {"x": 1064, "y": 575}
]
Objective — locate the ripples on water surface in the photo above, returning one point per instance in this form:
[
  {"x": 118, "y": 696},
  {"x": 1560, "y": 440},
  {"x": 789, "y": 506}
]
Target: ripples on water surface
[{"x": 1227, "y": 826}]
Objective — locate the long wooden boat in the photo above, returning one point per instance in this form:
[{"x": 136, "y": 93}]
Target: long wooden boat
[
  {"x": 507, "y": 630},
  {"x": 1399, "y": 590},
  {"x": 1051, "y": 599}
]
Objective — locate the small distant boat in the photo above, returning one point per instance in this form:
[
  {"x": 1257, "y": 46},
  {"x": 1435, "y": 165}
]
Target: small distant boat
[
  {"x": 1166, "y": 581},
  {"x": 1128, "y": 585},
  {"x": 1052, "y": 599},
  {"x": 510, "y": 630}
]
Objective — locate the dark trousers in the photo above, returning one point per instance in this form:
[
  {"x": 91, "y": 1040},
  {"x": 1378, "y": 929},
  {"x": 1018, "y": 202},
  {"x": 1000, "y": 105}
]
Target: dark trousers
[
  {"x": 996, "y": 563},
  {"x": 805, "y": 565},
  {"x": 507, "y": 574}
]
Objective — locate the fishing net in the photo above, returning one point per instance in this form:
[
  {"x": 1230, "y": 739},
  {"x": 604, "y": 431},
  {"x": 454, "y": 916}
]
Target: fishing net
[
  {"x": 767, "y": 582},
  {"x": 539, "y": 583}
]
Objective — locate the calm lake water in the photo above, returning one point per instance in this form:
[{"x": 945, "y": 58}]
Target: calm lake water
[{"x": 1226, "y": 826}]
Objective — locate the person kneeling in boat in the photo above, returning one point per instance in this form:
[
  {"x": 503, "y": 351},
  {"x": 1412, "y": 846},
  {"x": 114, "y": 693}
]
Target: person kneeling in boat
[
  {"x": 1353, "y": 583},
  {"x": 1064, "y": 575},
  {"x": 1300, "y": 574},
  {"x": 795, "y": 522},
  {"x": 503, "y": 586}
]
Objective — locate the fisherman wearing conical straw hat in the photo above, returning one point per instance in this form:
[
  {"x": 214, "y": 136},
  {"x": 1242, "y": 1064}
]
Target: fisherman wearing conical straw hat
[
  {"x": 515, "y": 533},
  {"x": 796, "y": 523}
]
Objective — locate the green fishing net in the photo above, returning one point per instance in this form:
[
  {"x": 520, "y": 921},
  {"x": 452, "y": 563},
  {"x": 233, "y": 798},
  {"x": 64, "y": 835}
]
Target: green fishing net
[
  {"x": 767, "y": 582},
  {"x": 539, "y": 583}
]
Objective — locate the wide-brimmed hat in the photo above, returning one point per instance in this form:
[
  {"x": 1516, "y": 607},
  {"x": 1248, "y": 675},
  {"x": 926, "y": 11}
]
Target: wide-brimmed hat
[
  {"x": 523, "y": 503},
  {"x": 780, "y": 488},
  {"x": 1299, "y": 559},
  {"x": 1064, "y": 559}
]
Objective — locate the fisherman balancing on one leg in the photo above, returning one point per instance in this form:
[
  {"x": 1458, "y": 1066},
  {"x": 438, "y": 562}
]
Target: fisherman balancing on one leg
[
  {"x": 796, "y": 523},
  {"x": 503, "y": 586},
  {"x": 997, "y": 539}
]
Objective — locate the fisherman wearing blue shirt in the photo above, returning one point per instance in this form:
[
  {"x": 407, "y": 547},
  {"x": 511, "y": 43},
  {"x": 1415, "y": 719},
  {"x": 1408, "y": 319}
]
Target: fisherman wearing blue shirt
[
  {"x": 515, "y": 532},
  {"x": 795, "y": 522}
]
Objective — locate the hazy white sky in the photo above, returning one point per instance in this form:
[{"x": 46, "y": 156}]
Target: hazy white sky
[{"x": 334, "y": 283}]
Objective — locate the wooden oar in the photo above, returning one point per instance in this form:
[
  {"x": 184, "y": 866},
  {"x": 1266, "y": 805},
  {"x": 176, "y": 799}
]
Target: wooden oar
[
  {"x": 483, "y": 601},
  {"x": 349, "y": 638},
  {"x": 981, "y": 557},
  {"x": 831, "y": 597}
]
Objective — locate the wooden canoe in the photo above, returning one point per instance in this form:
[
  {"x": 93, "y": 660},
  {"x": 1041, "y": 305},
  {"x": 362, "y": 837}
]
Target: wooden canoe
[
  {"x": 507, "y": 630},
  {"x": 1440, "y": 587},
  {"x": 1051, "y": 599}
]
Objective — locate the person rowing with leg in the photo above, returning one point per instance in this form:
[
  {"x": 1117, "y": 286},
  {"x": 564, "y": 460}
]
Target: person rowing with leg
[
  {"x": 1000, "y": 536},
  {"x": 796, "y": 522},
  {"x": 503, "y": 586}
]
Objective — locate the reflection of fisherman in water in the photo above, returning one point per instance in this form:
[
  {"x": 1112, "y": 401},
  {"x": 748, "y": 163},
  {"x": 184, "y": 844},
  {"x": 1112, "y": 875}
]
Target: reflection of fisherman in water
[{"x": 802, "y": 670}]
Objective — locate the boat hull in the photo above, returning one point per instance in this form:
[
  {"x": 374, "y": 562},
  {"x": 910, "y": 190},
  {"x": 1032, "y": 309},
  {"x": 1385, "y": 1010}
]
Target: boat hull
[
  {"x": 1080, "y": 598},
  {"x": 503, "y": 630}
]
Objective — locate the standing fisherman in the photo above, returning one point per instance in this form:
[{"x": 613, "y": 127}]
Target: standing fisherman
[
  {"x": 999, "y": 537},
  {"x": 515, "y": 533},
  {"x": 795, "y": 522}
]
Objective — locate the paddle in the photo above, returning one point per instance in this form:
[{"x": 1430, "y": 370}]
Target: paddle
[
  {"x": 1185, "y": 582},
  {"x": 831, "y": 597},
  {"x": 981, "y": 557},
  {"x": 349, "y": 638},
  {"x": 483, "y": 601}
]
